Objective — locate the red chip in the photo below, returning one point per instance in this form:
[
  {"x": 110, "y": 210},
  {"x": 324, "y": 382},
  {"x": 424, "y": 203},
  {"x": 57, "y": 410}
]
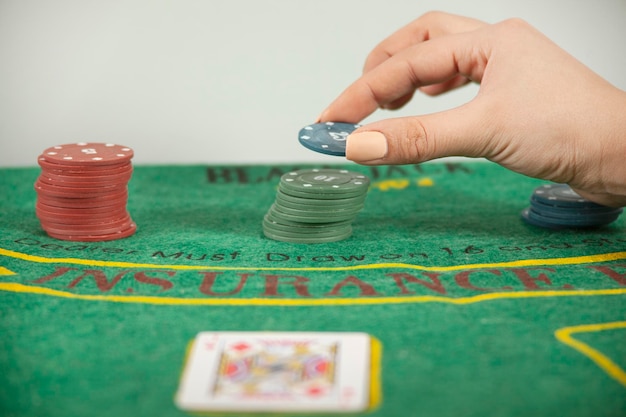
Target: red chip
[
  {"x": 86, "y": 154},
  {"x": 85, "y": 218},
  {"x": 75, "y": 192},
  {"x": 87, "y": 229},
  {"x": 79, "y": 212},
  {"x": 84, "y": 185},
  {"x": 98, "y": 177},
  {"x": 96, "y": 237},
  {"x": 87, "y": 169},
  {"x": 84, "y": 202}
]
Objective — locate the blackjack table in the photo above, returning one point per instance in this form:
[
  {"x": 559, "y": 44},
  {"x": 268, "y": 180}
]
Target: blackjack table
[{"x": 474, "y": 311}]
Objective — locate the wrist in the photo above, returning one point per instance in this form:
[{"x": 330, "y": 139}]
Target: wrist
[{"x": 605, "y": 179}]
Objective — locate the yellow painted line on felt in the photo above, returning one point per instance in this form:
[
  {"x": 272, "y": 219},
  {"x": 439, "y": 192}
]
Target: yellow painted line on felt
[
  {"x": 376, "y": 355},
  {"x": 297, "y": 302},
  {"x": 575, "y": 260},
  {"x": 564, "y": 335},
  {"x": 5, "y": 271}
]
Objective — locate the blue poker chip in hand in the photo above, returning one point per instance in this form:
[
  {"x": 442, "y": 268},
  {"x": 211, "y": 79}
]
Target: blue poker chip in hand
[{"x": 328, "y": 138}]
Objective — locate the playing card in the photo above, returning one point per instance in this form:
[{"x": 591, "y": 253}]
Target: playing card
[{"x": 276, "y": 371}]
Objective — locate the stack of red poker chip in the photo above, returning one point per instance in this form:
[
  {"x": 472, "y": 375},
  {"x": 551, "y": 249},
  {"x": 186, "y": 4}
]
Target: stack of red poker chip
[{"x": 82, "y": 192}]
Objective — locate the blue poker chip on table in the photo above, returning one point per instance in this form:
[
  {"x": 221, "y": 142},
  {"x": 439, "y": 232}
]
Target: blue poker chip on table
[
  {"x": 596, "y": 213},
  {"x": 328, "y": 138},
  {"x": 557, "y": 206},
  {"x": 562, "y": 195}
]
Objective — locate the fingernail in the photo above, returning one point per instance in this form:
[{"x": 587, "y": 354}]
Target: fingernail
[{"x": 366, "y": 146}]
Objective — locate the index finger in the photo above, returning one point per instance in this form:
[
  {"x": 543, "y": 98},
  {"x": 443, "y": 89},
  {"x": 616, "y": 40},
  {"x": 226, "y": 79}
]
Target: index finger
[
  {"x": 426, "y": 63},
  {"x": 428, "y": 26}
]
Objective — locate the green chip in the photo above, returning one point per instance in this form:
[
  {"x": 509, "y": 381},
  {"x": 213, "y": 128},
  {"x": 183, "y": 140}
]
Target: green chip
[
  {"x": 325, "y": 181},
  {"x": 286, "y": 222},
  {"x": 317, "y": 208},
  {"x": 305, "y": 239},
  {"x": 296, "y": 231},
  {"x": 307, "y": 217},
  {"x": 305, "y": 194},
  {"x": 292, "y": 201},
  {"x": 304, "y": 210}
]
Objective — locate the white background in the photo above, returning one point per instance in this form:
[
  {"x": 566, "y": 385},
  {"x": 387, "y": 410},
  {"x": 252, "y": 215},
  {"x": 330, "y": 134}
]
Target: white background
[{"x": 228, "y": 81}]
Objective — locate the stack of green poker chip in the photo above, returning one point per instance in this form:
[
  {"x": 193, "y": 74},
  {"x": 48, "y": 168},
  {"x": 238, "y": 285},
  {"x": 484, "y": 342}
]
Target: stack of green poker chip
[{"x": 316, "y": 206}]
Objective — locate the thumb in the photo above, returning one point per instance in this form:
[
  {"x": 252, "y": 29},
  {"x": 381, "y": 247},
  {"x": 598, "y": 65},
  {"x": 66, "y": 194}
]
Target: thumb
[{"x": 462, "y": 131}]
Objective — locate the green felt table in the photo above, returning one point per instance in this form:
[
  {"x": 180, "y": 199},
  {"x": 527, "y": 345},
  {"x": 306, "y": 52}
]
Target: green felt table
[{"x": 477, "y": 313}]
